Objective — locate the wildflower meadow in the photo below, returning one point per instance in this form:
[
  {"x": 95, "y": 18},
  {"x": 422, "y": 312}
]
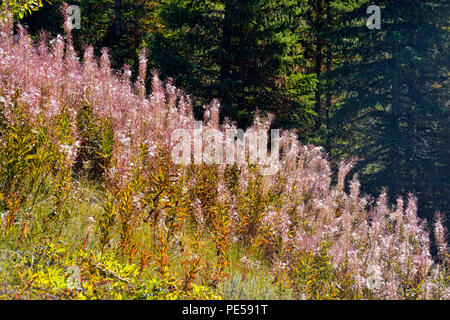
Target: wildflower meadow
[{"x": 93, "y": 205}]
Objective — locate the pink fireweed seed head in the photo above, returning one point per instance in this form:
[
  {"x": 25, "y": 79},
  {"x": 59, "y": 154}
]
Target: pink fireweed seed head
[
  {"x": 213, "y": 149},
  {"x": 57, "y": 46},
  {"x": 355, "y": 187},
  {"x": 374, "y": 278},
  {"x": 140, "y": 83},
  {"x": 198, "y": 212},
  {"x": 411, "y": 211},
  {"x": 230, "y": 143},
  {"x": 211, "y": 115},
  {"x": 158, "y": 103},
  {"x": 224, "y": 195},
  {"x": 71, "y": 151},
  {"x": 105, "y": 63},
  {"x": 440, "y": 236},
  {"x": 172, "y": 94},
  {"x": 67, "y": 25},
  {"x": 143, "y": 63},
  {"x": 181, "y": 147},
  {"x": 126, "y": 74},
  {"x": 89, "y": 59},
  {"x": 344, "y": 168},
  {"x": 269, "y": 161},
  {"x": 278, "y": 223},
  {"x": 42, "y": 48},
  {"x": 397, "y": 215}
]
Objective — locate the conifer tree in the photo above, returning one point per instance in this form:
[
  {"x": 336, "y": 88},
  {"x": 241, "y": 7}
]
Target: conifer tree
[{"x": 117, "y": 25}]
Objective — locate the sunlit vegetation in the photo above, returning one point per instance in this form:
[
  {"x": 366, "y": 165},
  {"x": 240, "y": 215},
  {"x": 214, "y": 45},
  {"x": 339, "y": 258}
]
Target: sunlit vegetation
[{"x": 92, "y": 207}]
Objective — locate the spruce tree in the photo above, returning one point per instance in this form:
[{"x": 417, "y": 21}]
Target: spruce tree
[
  {"x": 113, "y": 24},
  {"x": 244, "y": 52},
  {"x": 395, "y": 107}
]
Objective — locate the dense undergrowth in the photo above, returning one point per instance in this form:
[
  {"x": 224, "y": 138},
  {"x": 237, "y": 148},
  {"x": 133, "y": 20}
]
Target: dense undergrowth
[{"x": 92, "y": 207}]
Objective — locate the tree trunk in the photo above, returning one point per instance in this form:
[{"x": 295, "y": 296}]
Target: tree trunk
[
  {"x": 225, "y": 63},
  {"x": 329, "y": 57},
  {"x": 118, "y": 8},
  {"x": 318, "y": 65}
]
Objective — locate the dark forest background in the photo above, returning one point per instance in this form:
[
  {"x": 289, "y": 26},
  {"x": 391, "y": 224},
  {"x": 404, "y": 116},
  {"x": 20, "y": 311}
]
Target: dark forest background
[{"x": 378, "y": 95}]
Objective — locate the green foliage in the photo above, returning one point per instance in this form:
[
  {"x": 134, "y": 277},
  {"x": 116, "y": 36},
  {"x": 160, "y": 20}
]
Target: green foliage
[
  {"x": 20, "y": 8},
  {"x": 96, "y": 144},
  {"x": 31, "y": 157},
  {"x": 316, "y": 279},
  {"x": 242, "y": 52}
]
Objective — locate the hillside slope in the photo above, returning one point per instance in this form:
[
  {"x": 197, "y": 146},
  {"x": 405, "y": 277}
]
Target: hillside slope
[{"x": 93, "y": 206}]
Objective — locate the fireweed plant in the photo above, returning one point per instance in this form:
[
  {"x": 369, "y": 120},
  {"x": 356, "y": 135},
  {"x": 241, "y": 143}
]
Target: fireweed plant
[{"x": 93, "y": 207}]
